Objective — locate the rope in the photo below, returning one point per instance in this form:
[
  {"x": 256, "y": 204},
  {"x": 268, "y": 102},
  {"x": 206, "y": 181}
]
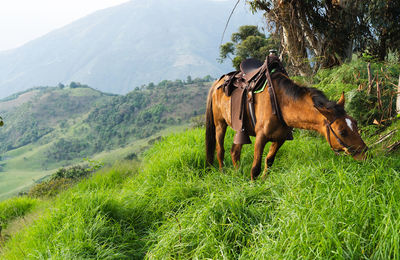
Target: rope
[{"x": 227, "y": 22}]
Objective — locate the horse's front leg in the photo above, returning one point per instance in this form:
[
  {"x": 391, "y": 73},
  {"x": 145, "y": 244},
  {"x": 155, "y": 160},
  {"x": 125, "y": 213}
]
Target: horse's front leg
[
  {"x": 269, "y": 160},
  {"x": 235, "y": 154},
  {"x": 261, "y": 140},
  {"x": 220, "y": 130}
]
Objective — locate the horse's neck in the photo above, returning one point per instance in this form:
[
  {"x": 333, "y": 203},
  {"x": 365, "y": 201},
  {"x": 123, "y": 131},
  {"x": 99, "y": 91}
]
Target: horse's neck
[{"x": 301, "y": 113}]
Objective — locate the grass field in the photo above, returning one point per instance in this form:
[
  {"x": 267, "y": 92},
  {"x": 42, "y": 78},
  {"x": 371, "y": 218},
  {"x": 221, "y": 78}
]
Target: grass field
[
  {"x": 312, "y": 205},
  {"x": 23, "y": 166}
]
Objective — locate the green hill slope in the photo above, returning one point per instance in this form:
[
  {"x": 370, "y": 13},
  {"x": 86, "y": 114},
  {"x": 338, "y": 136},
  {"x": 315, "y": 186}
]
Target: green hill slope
[
  {"x": 314, "y": 206},
  {"x": 49, "y": 127},
  {"x": 35, "y": 113}
]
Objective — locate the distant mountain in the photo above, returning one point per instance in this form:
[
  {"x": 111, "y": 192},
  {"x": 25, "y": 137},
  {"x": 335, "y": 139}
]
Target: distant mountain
[{"x": 119, "y": 48}]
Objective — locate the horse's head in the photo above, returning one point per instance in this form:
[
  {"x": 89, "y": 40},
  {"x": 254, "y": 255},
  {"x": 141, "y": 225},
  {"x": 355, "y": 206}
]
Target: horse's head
[{"x": 341, "y": 130}]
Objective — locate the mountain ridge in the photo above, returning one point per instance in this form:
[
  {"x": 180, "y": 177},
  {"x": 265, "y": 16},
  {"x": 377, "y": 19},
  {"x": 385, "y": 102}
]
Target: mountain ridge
[{"x": 119, "y": 48}]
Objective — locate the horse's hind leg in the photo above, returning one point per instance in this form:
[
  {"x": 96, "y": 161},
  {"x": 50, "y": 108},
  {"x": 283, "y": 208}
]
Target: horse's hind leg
[
  {"x": 261, "y": 140},
  {"x": 220, "y": 130},
  {"x": 269, "y": 160},
  {"x": 235, "y": 154}
]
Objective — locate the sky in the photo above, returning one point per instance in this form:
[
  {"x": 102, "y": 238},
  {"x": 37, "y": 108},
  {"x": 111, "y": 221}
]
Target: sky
[{"x": 24, "y": 20}]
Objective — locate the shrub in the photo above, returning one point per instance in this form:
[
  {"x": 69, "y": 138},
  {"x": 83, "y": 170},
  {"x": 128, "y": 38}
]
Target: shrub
[
  {"x": 198, "y": 121},
  {"x": 62, "y": 179}
]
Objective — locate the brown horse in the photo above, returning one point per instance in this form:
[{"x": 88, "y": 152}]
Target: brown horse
[{"x": 301, "y": 107}]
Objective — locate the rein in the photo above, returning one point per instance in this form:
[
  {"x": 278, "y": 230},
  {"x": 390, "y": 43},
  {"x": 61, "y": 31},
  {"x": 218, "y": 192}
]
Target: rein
[{"x": 329, "y": 129}]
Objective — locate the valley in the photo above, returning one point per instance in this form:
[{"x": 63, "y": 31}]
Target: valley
[{"x": 51, "y": 127}]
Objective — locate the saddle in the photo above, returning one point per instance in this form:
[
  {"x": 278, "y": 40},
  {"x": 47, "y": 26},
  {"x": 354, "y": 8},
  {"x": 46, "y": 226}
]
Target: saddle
[{"x": 241, "y": 86}]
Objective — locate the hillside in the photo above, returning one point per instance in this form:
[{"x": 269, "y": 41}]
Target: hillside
[
  {"x": 116, "y": 49},
  {"x": 317, "y": 206},
  {"x": 313, "y": 204},
  {"x": 37, "y": 112},
  {"x": 49, "y": 127}
]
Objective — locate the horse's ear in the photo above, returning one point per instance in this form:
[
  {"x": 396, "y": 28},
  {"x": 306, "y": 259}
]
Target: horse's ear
[
  {"x": 341, "y": 100},
  {"x": 327, "y": 113}
]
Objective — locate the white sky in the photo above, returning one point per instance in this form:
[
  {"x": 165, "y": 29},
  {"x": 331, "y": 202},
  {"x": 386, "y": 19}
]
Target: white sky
[{"x": 25, "y": 20}]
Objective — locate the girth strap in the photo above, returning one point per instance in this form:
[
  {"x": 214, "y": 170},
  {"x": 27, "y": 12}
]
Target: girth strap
[{"x": 274, "y": 101}]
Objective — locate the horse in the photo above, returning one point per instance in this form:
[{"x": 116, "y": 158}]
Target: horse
[{"x": 301, "y": 107}]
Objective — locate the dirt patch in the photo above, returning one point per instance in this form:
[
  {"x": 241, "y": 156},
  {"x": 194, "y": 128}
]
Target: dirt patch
[
  {"x": 17, "y": 225},
  {"x": 21, "y": 99}
]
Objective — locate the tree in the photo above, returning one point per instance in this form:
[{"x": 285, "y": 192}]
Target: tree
[
  {"x": 74, "y": 84},
  {"x": 248, "y": 42},
  {"x": 321, "y": 29},
  {"x": 383, "y": 17},
  {"x": 189, "y": 79},
  {"x": 329, "y": 31},
  {"x": 151, "y": 85}
]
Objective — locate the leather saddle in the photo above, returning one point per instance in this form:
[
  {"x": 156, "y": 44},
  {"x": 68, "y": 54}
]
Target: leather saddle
[
  {"x": 241, "y": 85},
  {"x": 250, "y": 65}
]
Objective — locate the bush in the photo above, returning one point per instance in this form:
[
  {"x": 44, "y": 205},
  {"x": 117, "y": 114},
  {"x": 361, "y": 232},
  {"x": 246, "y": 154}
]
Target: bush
[
  {"x": 365, "y": 108},
  {"x": 359, "y": 105},
  {"x": 74, "y": 172},
  {"x": 62, "y": 179},
  {"x": 198, "y": 121},
  {"x": 51, "y": 188},
  {"x": 362, "y": 103}
]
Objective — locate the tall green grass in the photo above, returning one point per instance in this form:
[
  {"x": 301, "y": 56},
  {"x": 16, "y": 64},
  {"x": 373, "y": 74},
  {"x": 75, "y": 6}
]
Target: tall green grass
[
  {"x": 312, "y": 204},
  {"x": 14, "y": 208}
]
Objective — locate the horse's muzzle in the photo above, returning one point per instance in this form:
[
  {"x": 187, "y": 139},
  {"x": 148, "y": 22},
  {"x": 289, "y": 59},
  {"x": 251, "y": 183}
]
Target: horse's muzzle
[{"x": 360, "y": 155}]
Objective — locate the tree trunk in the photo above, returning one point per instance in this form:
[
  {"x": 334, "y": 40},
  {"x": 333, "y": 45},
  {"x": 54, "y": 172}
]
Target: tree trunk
[
  {"x": 369, "y": 78},
  {"x": 398, "y": 98},
  {"x": 293, "y": 38}
]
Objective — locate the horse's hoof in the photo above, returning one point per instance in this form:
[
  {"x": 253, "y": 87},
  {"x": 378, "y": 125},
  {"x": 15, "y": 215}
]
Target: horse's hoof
[{"x": 264, "y": 175}]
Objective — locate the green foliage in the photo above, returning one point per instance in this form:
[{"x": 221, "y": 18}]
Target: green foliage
[
  {"x": 64, "y": 149},
  {"x": 75, "y": 172},
  {"x": 77, "y": 85},
  {"x": 329, "y": 32},
  {"x": 198, "y": 121},
  {"x": 248, "y": 42},
  {"x": 352, "y": 78},
  {"x": 14, "y": 208},
  {"x": 365, "y": 108},
  {"x": 63, "y": 179},
  {"x": 384, "y": 19},
  {"x": 359, "y": 103},
  {"x": 31, "y": 121},
  {"x": 144, "y": 112},
  {"x": 50, "y": 188}
]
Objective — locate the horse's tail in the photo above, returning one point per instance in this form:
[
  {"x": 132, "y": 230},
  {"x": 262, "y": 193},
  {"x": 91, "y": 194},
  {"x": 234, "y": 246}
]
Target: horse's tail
[{"x": 210, "y": 128}]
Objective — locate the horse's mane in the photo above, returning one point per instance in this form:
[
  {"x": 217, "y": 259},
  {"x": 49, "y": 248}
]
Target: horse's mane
[{"x": 296, "y": 91}]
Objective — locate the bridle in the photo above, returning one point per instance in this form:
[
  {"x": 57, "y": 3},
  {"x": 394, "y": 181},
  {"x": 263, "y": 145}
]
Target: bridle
[{"x": 329, "y": 129}]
